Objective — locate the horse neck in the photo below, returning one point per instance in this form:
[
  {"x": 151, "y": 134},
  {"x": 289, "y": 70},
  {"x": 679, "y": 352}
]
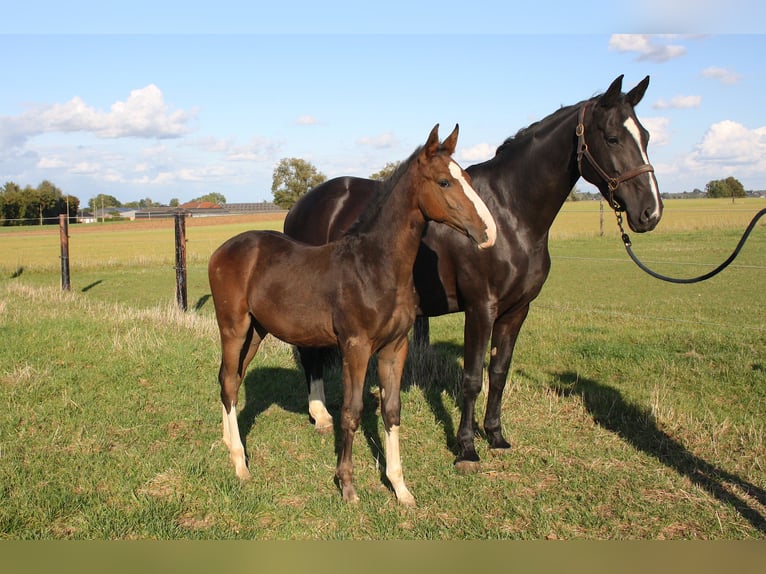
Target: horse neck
[
  {"x": 531, "y": 163},
  {"x": 393, "y": 234}
]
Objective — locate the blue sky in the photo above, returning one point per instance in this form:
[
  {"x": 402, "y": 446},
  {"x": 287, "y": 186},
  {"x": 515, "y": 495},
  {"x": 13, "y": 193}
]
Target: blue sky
[{"x": 166, "y": 100}]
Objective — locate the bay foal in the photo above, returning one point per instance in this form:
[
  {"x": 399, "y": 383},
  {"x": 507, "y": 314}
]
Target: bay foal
[{"x": 356, "y": 293}]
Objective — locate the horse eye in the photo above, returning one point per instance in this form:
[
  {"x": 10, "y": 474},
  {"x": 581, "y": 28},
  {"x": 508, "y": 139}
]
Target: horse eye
[
  {"x": 612, "y": 140},
  {"x": 443, "y": 183}
]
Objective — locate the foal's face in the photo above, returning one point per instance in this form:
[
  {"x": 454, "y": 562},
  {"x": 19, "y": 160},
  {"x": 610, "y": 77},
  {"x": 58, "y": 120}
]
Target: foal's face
[{"x": 448, "y": 197}]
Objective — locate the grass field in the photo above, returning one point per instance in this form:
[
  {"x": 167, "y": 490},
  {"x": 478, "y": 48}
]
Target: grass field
[{"x": 637, "y": 408}]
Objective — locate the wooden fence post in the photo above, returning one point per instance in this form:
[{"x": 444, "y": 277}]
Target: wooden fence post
[
  {"x": 180, "y": 219},
  {"x": 64, "y": 233}
]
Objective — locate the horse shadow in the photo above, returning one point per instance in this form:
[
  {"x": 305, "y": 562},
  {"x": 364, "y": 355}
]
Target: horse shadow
[
  {"x": 637, "y": 426},
  {"x": 286, "y": 388},
  {"x": 435, "y": 370}
]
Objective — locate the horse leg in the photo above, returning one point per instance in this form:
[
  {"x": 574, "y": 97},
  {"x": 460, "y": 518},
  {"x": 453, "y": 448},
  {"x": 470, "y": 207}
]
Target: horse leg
[
  {"x": 478, "y": 326},
  {"x": 313, "y": 367},
  {"x": 391, "y": 360},
  {"x": 355, "y": 359},
  {"x": 504, "y": 335},
  {"x": 421, "y": 332},
  {"x": 239, "y": 345}
]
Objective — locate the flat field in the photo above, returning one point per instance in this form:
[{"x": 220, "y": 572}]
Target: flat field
[{"x": 637, "y": 408}]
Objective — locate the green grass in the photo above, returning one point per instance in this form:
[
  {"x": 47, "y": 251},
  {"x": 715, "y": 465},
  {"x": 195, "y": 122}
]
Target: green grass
[{"x": 637, "y": 408}]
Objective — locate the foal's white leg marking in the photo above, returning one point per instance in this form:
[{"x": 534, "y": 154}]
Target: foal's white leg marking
[
  {"x": 480, "y": 206},
  {"x": 632, "y": 127},
  {"x": 234, "y": 442},
  {"x": 317, "y": 408},
  {"x": 394, "y": 468}
]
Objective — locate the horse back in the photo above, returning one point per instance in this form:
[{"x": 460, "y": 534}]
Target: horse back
[{"x": 325, "y": 212}]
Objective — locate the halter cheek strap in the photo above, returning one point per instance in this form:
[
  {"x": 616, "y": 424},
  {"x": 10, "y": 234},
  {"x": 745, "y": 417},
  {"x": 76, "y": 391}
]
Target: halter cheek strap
[{"x": 612, "y": 182}]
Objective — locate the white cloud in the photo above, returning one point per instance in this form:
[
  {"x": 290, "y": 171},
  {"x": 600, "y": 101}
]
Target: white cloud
[
  {"x": 51, "y": 163},
  {"x": 257, "y": 149},
  {"x": 732, "y": 143},
  {"x": 678, "y": 102},
  {"x": 727, "y": 148},
  {"x": 143, "y": 114},
  {"x": 648, "y": 46},
  {"x": 723, "y": 75},
  {"x": 383, "y": 141},
  {"x": 659, "y": 130},
  {"x": 476, "y": 153},
  {"x": 307, "y": 120}
]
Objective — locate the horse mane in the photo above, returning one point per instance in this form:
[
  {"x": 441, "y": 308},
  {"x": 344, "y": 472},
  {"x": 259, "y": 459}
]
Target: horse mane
[
  {"x": 365, "y": 219},
  {"x": 537, "y": 127}
]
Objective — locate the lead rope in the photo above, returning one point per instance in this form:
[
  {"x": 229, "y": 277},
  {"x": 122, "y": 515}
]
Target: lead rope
[{"x": 708, "y": 275}]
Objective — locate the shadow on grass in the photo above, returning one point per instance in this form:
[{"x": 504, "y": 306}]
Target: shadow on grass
[
  {"x": 637, "y": 426},
  {"x": 435, "y": 370},
  {"x": 201, "y": 302},
  {"x": 91, "y": 286},
  {"x": 286, "y": 388}
]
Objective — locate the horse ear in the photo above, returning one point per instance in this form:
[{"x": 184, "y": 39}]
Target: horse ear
[
  {"x": 634, "y": 96},
  {"x": 432, "y": 145},
  {"x": 450, "y": 143},
  {"x": 611, "y": 96}
]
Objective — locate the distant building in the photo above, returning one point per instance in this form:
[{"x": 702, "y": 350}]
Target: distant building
[{"x": 260, "y": 207}]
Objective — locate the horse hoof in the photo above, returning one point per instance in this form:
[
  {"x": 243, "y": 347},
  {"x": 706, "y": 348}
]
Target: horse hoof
[
  {"x": 243, "y": 474},
  {"x": 467, "y": 466},
  {"x": 500, "y": 451},
  {"x": 406, "y": 500},
  {"x": 349, "y": 496},
  {"x": 323, "y": 429}
]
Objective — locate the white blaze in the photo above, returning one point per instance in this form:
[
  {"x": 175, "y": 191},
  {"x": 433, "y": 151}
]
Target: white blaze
[
  {"x": 632, "y": 127},
  {"x": 480, "y": 206}
]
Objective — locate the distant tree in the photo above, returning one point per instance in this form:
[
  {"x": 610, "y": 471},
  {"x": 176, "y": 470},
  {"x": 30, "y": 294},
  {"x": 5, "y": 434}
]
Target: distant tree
[
  {"x": 105, "y": 200},
  {"x": 387, "y": 170},
  {"x": 293, "y": 177},
  {"x": 34, "y": 205},
  {"x": 217, "y": 198},
  {"x": 175, "y": 202},
  {"x": 729, "y": 187}
]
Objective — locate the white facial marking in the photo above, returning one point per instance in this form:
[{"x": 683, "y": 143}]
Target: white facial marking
[
  {"x": 480, "y": 206},
  {"x": 632, "y": 127}
]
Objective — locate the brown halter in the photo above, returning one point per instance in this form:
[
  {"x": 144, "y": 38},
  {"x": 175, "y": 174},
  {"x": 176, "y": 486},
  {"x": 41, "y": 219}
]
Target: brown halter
[{"x": 612, "y": 182}]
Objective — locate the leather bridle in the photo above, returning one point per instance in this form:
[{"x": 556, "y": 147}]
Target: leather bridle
[{"x": 612, "y": 182}]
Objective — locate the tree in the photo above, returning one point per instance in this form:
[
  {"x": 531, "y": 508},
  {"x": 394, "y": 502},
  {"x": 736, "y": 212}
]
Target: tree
[
  {"x": 103, "y": 200},
  {"x": 729, "y": 187},
  {"x": 387, "y": 170},
  {"x": 217, "y": 198},
  {"x": 293, "y": 177}
]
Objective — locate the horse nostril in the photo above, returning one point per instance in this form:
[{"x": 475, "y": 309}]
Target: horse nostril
[{"x": 647, "y": 215}]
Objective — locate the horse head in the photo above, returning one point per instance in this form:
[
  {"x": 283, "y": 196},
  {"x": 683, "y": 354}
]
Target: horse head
[
  {"x": 447, "y": 196},
  {"x": 612, "y": 155}
]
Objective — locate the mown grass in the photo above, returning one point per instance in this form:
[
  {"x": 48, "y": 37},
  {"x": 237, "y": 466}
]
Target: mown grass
[{"x": 637, "y": 409}]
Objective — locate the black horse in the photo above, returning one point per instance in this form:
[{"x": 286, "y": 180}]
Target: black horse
[{"x": 524, "y": 186}]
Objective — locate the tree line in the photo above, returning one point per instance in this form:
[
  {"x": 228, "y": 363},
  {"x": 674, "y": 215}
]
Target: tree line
[
  {"x": 35, "y": 205},
  {"x": 292, "y": 178}
]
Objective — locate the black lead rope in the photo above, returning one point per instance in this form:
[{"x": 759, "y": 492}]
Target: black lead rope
[{"x": 708, "y": 275}]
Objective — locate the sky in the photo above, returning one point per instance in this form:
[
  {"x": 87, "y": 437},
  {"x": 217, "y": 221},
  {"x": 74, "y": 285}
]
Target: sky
[{"x": 164, "y": 100}]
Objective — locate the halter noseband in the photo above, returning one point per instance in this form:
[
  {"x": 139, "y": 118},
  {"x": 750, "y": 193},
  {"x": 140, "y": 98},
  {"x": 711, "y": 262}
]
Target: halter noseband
[{"x": 612, "y": 182}]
